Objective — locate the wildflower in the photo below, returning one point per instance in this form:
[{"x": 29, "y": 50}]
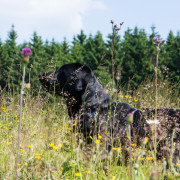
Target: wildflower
[
  {"x": 75, "y": 124},
  {"x": 90, "y": 137},
  {"x": 177, "y": 164},
  {"x": 100, "y": 137},
  {"x": 69, "y": 129},
  {"x": 117, "y": 148},
  {"x": 155, "y": 38},
  {"x": 19, "y": 164},
  {"x": 37, "y": 157},
  {"x": 59, "y": 130},
  {"x": 174, "y": 143},
  {"x": 26, "y": 164},
  {"x": 55, "y": 137},
  {"x": 135, "y": 100},
  {"x": 51, "y": 145},
  {"x": 88, "y": 172},
  {"x": 78, "y": 174},
  {"x": 130, "y": 97},
  {"x": 122, "y": 96},
  {"x": 153, "y": 121},
  {"x": 149, "y": 158},
  {"x": 146, "y": 139},
  {"x": 133, "y": 145},
  {"x": 62, "y": 168},
  {"x": 26, "y": 52},
  {"x": 126, "y": 96},
  {"x": 98, "y": 141},
  {"x": 29, "y": 146},
  {"x": 22, "y": 118},
  {"x": 28, "y": 85},
  {"x": 7, "y": 114},
  {"x": 112, "y": 22},
  {"x": 8, "y": 143},
  {"x": 129, "y": 118},
  {"x": 164, "y": 158},
  {"x": 57, "y": 147},
  {"x": 142, "y": 159}
]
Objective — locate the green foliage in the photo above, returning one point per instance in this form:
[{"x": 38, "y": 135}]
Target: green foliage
[{"x": 133, "y": 55}]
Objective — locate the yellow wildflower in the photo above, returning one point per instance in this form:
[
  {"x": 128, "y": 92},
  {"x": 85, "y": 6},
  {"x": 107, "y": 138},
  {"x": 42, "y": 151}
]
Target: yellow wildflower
[
  {"x": 177, "y": 164},
  {"x": 22, "y": 118},
  {"x": 100, "y": 137},
  {"x": 174, "y": 143},
  {"x": 126, "y": 96},
  {"x": 133, "y": 145},
  {"x": 51, "y": 145},
  {"x": 142, "y": 159},
  {"x": 8, "y": 143},
  {"x": 37, "y": 157},
  {"x": 149, "y": 158},
  {"x": 55, "y": 137},
  {"x": 78, "y": 174},
  {"x": 29, "y": 146},
  {"x": 75, "y": 124},
  {"x": 26, "y": 164},
  {"x": 88, "y": 172},
  {"x": 130, "y": 97},
  {"x": 98, "y": 141},
  {"x": 135, "y": 100},
  {"x": 91, "y": 137},
  {"x": 146, "y": 139}
]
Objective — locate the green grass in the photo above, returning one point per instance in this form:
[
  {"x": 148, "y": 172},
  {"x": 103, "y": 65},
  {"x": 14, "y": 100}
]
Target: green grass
[{"x": 50, "y": 149}]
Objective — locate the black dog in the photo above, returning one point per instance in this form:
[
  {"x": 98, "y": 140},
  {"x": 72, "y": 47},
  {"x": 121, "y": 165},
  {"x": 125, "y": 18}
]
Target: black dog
[{"x": 85, "y": 98}]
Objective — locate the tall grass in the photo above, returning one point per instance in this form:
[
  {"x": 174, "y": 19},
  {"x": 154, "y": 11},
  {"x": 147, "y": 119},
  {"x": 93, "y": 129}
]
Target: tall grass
[{"x": 51, "y": 149}]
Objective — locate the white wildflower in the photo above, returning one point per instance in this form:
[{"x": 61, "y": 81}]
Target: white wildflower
[{"x": 153, "y": 121}]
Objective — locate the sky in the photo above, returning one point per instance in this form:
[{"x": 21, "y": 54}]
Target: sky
[{"x": 61, "y": 19}]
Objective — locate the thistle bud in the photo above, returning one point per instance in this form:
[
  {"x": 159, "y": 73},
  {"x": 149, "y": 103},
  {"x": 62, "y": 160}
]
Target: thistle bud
[
  {"x": 26, "y": 52},
  {"x": 28, "y": 86},
  {"x": 129, "y": 118}
]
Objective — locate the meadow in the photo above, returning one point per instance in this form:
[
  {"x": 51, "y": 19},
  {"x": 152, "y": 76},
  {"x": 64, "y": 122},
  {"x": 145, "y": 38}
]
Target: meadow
[{"x": 50, "y": 148}]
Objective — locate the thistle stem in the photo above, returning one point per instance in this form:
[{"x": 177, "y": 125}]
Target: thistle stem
[
  {"x": 20, "y": 117},
  {"x": 130, "y": 156}
]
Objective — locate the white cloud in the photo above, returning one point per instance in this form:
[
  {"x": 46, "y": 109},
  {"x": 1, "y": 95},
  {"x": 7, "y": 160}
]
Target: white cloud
[{"x": 47, "y": 17}]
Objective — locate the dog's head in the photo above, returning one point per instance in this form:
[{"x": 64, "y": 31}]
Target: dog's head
[{"x": 76, "y": 81}]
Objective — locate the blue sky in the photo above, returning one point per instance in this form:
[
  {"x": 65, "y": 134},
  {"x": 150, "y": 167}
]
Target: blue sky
[{"x": 65, "y": 18}]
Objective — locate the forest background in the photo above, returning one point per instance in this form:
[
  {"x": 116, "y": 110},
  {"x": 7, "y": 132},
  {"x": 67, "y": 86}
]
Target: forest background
[{"x": 134, "y": 58}]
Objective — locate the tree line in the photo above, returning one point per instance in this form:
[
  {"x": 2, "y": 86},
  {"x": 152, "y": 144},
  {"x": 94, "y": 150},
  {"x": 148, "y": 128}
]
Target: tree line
[{"x": 134, "y": 57}]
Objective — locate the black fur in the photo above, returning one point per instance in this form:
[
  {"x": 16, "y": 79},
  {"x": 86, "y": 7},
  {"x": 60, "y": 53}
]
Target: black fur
[{"x": 86, "y": 97}]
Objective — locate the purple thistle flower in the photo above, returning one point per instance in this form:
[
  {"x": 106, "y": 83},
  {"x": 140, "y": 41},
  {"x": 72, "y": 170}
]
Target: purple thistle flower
[
  {"x": 112, "y": 22},
  {"x": 121, "y": 23},
  {"x": 155, "y": 38},
  {"x": 26, "y": 51}
]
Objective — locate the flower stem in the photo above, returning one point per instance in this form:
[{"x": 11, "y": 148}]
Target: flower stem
[
  {"x": 20, "y": 117},
  {"x": 129, "y": 128}
]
